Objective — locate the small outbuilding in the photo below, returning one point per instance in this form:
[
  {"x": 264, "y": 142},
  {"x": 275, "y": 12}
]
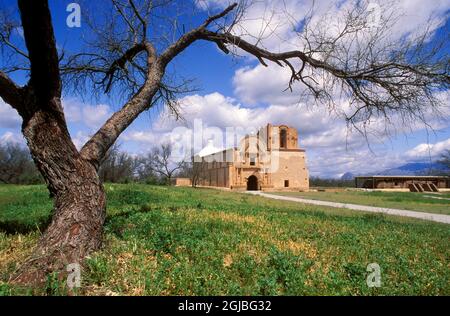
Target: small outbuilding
[
  {"x": 402, "y": 182},
  {"x": 182, "y": 182}
]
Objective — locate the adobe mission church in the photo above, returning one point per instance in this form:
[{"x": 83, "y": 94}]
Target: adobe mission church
[{"x": 269, "y": 160}]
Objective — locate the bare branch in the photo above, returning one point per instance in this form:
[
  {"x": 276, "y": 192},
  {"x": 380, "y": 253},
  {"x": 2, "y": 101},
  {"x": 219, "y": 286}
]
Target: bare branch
[
  {"x": 126, "y": 19},
  {"x": 160, "y": 161},
  {"x": 120, "y": 63},
  {"x": 10, "y": 92},
  {"x": 141, "y": 19},
  {"x": 376, "y": 81},
  {"x": 190, "y": 37},
  {"x": 41, "y": 45},
  {"x": 220, "y": 15},
  {"x": 5, "y": 39},
  {"x": 98, "y": 145}
]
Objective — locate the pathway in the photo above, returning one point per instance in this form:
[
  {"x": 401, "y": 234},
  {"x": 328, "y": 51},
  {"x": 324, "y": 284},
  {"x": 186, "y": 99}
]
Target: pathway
[{"x": 441, "y": 218}]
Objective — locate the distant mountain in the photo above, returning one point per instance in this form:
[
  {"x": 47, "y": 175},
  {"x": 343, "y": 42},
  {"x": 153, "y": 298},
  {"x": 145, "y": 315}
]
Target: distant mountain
[
  {"x": 409, "y": 169},
  {"x": 415, "y": 169},
  {"x": 348, "y": 176}
]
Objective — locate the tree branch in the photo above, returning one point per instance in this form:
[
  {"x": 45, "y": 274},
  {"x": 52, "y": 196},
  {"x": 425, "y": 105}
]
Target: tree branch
[
  {"x": 400, "y": 83},
  {"x": 4, "y": 39},
  {"x": 41, "y": 45},
  {"x": 220, "y": 15},
  {"x": 10, "y": 92},
  {"x": 391, "y": 84},
  {"x": 141, "y": 19},
  {"x": 190, "y": 37},
  {"x": 120, "y": 63},
  {"x": 95, "y": 149}
]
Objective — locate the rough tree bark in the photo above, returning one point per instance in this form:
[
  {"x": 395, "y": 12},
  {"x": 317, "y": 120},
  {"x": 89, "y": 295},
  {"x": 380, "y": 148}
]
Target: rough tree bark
[
  {"x": 79, "y": 199},
  {"x": 71, "y": 176}
]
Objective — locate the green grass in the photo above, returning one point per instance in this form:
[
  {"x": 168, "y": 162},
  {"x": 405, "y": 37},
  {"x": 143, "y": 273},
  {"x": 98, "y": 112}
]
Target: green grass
[
  {"x": 184, "y": 241},
  {"x": 421, "y": 202},
  {"x": 24, "y": 208}
]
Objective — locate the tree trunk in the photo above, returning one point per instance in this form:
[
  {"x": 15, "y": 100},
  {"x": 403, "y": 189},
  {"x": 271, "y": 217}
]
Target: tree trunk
[{"x": 79, "y": 199}]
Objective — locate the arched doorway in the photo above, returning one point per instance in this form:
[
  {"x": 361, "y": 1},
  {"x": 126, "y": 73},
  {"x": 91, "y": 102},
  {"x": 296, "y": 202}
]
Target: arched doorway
[{"x": 252, "y": 183}]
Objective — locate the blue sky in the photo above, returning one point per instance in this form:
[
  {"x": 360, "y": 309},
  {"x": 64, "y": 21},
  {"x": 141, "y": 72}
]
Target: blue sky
[{"x": 239, "y": 92}]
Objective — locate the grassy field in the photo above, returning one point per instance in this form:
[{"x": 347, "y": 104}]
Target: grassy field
[
  {"x": 184, "y": 241},
  {"x": 422, "y": 202}
]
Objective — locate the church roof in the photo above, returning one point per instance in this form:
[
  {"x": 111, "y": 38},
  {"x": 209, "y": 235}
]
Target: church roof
[{"x": 209, "y": 149}]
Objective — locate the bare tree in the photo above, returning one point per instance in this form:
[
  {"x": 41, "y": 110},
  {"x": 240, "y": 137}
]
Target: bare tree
[
  {"x": 118, "y": 166},
  {"x": 16, "y": 165},
  {"x": 130, "y": 49},
  {"x": 198, "y": 165},
  {"x": 161, "y": 162}
]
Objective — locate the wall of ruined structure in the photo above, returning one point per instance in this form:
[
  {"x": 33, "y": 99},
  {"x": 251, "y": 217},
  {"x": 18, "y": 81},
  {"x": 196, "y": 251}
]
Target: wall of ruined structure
[
  {"x": 182, "y": 182},
  {"x": 215, "y": 174},
  {"x": 274, "y": 133},
  {"x": 292, "y": 168}
]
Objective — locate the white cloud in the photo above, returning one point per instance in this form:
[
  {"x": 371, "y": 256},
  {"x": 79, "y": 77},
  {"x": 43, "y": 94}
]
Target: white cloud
[
  {"x": 10, "y": 137},
  {"x": 9, "y": 118},
  {"x": 258, "y": 84},
  {"x": 274, "y": 23},
  {"x": 331, "y": 148},
  {"x": 264, "y": 85},
  {"x": 222, "y": 112},
  {"x": 428, "y": 150},
  {"x": 95, "y": 116},
  {"x": 143, "y": 137},
  {"x": 92, "y": 116},
  {"x": 331, "y": 163},
  {"x": 80, "y": 139},
  {"x": 319, "y": 132}
]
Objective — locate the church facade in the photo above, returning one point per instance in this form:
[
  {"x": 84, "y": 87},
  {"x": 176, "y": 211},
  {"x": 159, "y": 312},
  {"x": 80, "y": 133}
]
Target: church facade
[{"x": 269, "y": 160}]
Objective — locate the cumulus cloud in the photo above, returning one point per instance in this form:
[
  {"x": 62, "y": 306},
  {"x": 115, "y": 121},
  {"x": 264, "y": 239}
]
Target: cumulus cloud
[
  {"x": 274, "y": 23},
  {"x": 80, "y": 139},
  {"x": 332, "y": 149},
  {"x": 276, "y": 26},
  {"x": 11, "y": 137},
  {"x": 429, "y": 150},
  {"x": 333, "y": 164},
  {"x": 9, "y": 118},
  {"x": 256, "y": 85},
  {"x": 222, "y": 112},
  {"x": 92, "y": 116}
]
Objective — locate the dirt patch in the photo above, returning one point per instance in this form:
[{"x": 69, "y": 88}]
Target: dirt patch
[
  {"x": 228, "y": 261},
  {"x": 15, "y": 250},
  {"x": 297, "y": 248},
  {"x": 234, "y": 218}
]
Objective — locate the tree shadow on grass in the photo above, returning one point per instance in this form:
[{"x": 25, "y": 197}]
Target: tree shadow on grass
[
  {"x": 13, "y": 227},
  {"x": 17, "y": 226}
]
